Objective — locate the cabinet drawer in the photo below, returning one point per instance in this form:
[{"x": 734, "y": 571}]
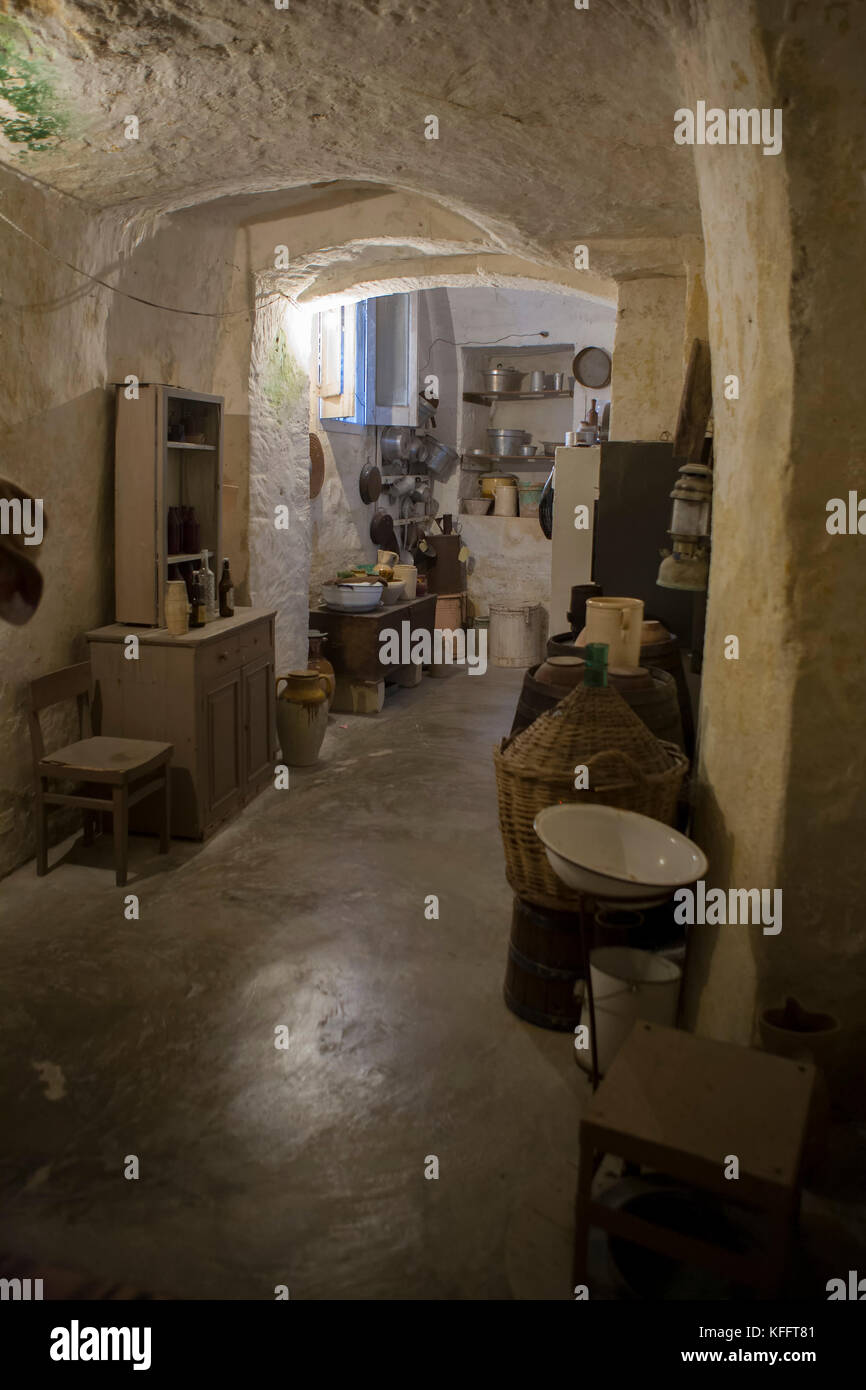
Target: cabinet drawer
[
  {"x": 220, "y": 656},
  {"x": 255, "y": 641}
]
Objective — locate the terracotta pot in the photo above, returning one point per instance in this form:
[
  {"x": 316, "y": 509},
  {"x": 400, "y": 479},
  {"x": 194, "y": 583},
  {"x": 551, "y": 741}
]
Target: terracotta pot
[
  {"x": 789, "y": 1030},
  {"x": 564, "y": 671},
  {"x": 302, "y": 716},
  {"x": 317, "y": 662}
]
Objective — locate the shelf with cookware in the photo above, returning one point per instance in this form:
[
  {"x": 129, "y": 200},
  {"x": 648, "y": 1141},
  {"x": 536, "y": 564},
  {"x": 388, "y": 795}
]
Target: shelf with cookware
[{"x": 489, "y": 397}]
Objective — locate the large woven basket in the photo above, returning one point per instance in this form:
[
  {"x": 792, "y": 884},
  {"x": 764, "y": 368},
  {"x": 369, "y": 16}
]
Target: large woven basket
[{"x": 628, "y": 768}]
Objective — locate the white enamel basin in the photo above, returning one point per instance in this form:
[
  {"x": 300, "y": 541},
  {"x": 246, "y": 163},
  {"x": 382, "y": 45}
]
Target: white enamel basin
[{"x": 617, "y": 855}]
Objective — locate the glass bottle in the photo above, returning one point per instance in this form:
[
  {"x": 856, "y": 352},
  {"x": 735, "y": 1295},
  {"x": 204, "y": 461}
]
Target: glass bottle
[
  {"x": 210, "y": 595},
  {"x": 226, "y": 592},
  {"x": 198, "y": 613},
  {"x": 595, "y": 670}
]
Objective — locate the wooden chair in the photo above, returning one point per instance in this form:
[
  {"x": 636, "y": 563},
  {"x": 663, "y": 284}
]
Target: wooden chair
[{"x": 131, "y": 768}]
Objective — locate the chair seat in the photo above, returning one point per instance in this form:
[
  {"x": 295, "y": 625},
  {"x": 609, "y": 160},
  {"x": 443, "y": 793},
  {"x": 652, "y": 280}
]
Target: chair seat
[{"x": 114, "y": 758}]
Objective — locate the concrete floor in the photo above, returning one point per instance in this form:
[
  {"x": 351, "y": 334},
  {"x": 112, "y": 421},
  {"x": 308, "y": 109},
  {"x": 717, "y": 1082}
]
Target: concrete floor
[
  {"x": 302, "y": 1167},
  {"x": 305, "y": 1166}
]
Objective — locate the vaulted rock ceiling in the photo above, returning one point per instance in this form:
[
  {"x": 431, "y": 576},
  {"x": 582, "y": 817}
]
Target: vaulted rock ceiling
[{"x": 555, "y": 124}]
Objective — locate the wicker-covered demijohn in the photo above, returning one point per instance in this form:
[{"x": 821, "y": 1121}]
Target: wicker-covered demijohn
[{"x": 627, "y": 767}]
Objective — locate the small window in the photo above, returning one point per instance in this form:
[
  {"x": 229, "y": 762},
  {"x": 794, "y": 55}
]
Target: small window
[{"x": 368, "y": 362}]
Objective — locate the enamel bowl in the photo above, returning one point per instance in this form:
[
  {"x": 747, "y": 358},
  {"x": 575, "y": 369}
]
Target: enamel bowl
[
  {"x": 617, "y": 855},
  {"x": 348, "y": 597}
]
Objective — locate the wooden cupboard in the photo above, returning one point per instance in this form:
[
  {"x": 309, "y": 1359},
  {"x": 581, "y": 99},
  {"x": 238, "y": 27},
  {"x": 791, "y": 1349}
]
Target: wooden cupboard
[
  {"x": 168, "y": 452},
  {"x": 209, "y": 692}
]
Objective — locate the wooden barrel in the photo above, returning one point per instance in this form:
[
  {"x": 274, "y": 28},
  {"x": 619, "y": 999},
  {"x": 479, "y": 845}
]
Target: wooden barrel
[
  {"x": 653, "y": 697},
  {"x": 515, "y": 636},
  {"x": 535, "y": 697},
  {"x": 664, "y": 656},
  {"x": 544, "y": 964},
  {"x": 668, "y": 656}
]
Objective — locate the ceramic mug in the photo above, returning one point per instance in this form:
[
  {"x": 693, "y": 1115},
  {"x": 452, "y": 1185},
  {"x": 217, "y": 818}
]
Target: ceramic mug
[{"x": 616, "y": 622}]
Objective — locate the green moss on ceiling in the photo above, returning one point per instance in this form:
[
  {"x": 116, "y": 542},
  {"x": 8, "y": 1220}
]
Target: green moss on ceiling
[
  {"x": 35, "y": 120},
  {"x": 283, "y": 379}
]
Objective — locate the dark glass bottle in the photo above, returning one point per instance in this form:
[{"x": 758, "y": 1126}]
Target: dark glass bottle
[
  {"x": 175, "y": 531},
  {"x": 226, "y": 592},
  {"x": 191, "y": 531},
  {"x": 595, "y": 670},
  {"x": 198, "y": 613}
]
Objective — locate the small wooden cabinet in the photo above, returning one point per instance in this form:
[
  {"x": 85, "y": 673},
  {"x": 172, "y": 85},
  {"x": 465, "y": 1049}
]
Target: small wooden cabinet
[{"x": 210, "y": 693}]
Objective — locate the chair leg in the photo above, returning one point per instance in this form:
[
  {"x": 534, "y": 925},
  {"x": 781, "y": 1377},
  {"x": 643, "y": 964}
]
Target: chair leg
[
  {"x": 120, "y": 799},
  {"x": 88, "y": 818},
  {"x": 165, "y": 829},
  {"x": 41, "y": 831},
  {"x": 585, "y": 1175}
]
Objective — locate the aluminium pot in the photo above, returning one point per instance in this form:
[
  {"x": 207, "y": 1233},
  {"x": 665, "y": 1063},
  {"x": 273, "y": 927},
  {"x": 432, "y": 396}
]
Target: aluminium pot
[
  {"x": 502, "y": 379},
  {"x": 440, "y": 459},
  {"x": 396, "y": 443},
  {"x": 508, "y": 443}
]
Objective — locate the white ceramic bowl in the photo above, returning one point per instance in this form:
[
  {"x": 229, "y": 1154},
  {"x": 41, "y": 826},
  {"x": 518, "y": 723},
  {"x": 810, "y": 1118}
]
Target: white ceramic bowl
[
  {"x": 617, "y": 855},
  {"x": 393, "y": 592},
  {"x": 352, "y": 598}
]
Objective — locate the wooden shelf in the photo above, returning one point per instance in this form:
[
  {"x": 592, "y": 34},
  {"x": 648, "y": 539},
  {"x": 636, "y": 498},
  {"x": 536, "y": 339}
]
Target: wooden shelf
[
  {"x": 492, "y": 516},
  {"x": 181, "y": 444},
  {"x": 488, "y": 397},
  {"x": 182, "y": 559},
  {"x": 515, "y": 460}
]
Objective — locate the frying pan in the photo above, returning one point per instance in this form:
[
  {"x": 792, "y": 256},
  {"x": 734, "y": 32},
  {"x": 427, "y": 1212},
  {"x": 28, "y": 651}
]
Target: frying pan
[
  {"x": 317, "y": 466},
  {"x": 370, "y": 483}
]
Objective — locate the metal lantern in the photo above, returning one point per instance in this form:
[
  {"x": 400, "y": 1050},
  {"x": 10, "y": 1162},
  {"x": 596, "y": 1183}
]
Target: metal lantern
[{"x": 687, "y": 565}]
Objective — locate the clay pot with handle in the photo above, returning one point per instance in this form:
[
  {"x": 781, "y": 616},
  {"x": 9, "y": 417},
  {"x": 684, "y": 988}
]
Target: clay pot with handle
[
  {"x": 317, "y": 662},
  {"x": 302, "y": 716}
]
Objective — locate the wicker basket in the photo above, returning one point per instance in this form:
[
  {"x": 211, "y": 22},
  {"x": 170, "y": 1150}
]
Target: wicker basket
[{"x": 628, "y": 768}]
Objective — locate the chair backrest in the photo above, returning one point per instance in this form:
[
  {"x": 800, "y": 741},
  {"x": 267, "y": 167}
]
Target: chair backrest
[{"x": 70, "y": 682}]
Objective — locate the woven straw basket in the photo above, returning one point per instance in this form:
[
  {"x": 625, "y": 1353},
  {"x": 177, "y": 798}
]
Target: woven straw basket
[{"x": 628, "y": 768}]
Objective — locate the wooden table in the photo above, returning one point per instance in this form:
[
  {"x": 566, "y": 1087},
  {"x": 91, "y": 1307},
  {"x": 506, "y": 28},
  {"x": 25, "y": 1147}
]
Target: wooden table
[
  {"x": 683, "y": 1105},
  {"x": 354, "y": 641}
]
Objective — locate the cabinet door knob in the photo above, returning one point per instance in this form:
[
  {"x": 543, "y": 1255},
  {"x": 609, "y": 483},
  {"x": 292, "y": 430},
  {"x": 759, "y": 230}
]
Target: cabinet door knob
[{"x": 223, "y": 656}]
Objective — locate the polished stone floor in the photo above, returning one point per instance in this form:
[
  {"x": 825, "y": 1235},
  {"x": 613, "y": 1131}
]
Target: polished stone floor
[{"x": 305, "y": 1166}]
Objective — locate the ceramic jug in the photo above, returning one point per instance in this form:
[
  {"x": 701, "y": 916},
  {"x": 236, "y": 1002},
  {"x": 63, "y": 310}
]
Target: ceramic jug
[
  {"x": 302, "y": 716},
  {"x": 409, "y": 576},
  {"x": 317, "y": 662},
  {"x": 617, "y": 622}
]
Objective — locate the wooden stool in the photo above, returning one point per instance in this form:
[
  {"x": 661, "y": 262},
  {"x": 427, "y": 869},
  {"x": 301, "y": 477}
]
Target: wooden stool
[{"x": 682, "y": 1105}]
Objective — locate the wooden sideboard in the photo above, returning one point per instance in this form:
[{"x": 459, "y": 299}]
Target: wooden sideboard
[{"x": 210, "y": 693}]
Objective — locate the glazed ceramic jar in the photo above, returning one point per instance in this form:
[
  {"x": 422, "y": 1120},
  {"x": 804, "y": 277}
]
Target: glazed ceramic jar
[
  {"x": 302, "y": 716},
  {"x": 317, "y": 662}
]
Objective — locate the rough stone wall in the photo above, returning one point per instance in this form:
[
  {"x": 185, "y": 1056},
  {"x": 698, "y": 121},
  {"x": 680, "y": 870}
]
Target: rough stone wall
[
  {"x": 647, "y": 367},
  {"x": 782, "y": 728},
  {"x": 56, "y": 440},
  {"x": 279, "y": 473},
  {"x": 65, "y": 340}
]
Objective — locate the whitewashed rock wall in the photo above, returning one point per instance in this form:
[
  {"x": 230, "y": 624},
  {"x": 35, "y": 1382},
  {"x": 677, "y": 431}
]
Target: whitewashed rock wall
[{"x": 279, "y": 474}]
